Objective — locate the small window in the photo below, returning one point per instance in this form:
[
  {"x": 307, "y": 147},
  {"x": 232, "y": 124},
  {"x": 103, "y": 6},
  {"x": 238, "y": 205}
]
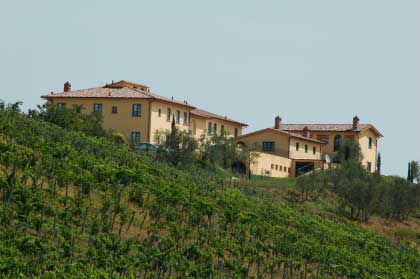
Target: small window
[
  {"x": 78, "y": 109},
  {"x": 268, "y": 146},
  {"x": 314, "y": 150},
  {"x": 185, "y": 118},
  {"x": 168, "y": 114},
  {"x": 337, "y": 142},
  {"x": 236, "y": 132},
  {"x": 136, "y": 110},
  {"x": 178, "y": 116},
  {"x": 370, "y": 143},
  {"x": 297, "y": 146},
  {"x": 215, "y": 128},
  {"x": 61, "y": 105},
  {"x": 281, "y": 168},
  {"x": 159, "y": 112},
  {"x": 114, "y": 109},
  {"x": 369, "y": 166},
  {"x": 135, "y": 136},
  {"x": 306, "y": 148},
  {"x": 285, "y": 169},
  {"x": 272, "y": 166},
  {"x": 97, "y": 107},
  {"x": 209, "y": 127},
  {"x": 222, "y": 130}
]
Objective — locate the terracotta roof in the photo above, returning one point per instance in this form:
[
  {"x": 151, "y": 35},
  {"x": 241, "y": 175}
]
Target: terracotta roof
[
  {"x": 100, "y": 92},
  {"x": 328, "y": 128},
  {"x": 162, "y": 98},
  {"x": 111, "y": 92},
  {"x": 126, "y": 83},
  {"x": 210, "y": 115},
  {"x": 293, "y": 135}
]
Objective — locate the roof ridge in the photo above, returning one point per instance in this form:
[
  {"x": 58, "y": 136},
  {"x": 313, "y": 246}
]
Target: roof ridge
[
  {"x": 208, "y": 114},
  {"x": 323, "y": 124},
  {"x": 285, "y": 133}
]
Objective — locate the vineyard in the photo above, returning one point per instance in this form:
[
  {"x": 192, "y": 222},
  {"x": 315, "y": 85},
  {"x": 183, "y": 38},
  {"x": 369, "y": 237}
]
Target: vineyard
[{"x": 87, "y": 207}]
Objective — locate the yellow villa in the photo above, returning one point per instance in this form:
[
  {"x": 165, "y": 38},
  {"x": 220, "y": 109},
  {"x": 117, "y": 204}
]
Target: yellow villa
[
  {"x": 139, "y": 114},
  {"x": 293, "y": 149},
  {"x": 283, "y": 150}
]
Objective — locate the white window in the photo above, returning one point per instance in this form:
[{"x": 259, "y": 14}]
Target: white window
[
  {"x": 185, "y": 118},
  {"x": 136, "y": 110}
]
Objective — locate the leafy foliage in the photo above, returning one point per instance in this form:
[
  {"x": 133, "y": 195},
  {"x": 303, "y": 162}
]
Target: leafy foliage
[
  {"x": 80, "y": 206},
  {"x": 413, "y": 171},
  {"x": 178, "y": 147}
]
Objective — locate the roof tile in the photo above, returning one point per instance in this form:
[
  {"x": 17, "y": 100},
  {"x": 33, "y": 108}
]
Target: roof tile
[
  {"x": 327, "y": 127},
  {"x": 207, "y": 114}
]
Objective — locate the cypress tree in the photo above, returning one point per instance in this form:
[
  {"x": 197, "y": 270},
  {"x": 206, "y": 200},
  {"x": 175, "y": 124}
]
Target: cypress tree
[
  {"x": 378, "y": 163},
  {"x": 409, "y": 172}
]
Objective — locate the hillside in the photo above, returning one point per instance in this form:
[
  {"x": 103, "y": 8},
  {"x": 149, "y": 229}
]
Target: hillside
[{"x": 74, "y": 205}]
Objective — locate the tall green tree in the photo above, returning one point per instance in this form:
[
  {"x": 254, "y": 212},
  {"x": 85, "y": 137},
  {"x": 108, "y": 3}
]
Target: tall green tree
[
  {"x": 177, "y": 147},
  {"x": 349, "y": 150},
  {"x": 409, "y": 176},
  {"x": 414, "y": 171},
  {"x": 379, "y": 163},
  {"x": 70, "y": 119}
]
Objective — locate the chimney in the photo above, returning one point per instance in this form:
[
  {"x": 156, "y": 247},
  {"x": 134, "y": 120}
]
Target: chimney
[
  {"x": 277, "y": 122},
  {"x": 306, "y": 132},
  {"x": 355, "y": 123},
  {"x": 67, "y": 87}
]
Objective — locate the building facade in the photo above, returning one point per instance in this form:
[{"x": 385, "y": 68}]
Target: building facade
[
  {"x": 308, "y": 147},
  {"x": 130, "y": 108}
]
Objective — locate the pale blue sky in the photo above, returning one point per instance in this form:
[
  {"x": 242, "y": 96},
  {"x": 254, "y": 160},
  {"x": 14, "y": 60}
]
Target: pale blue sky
[{"x": 308, "y": 61}]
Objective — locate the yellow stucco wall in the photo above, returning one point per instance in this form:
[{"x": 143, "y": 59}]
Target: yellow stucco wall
[
  {"x": 161, "y": 123},
  {"x": 369, "y": 154},
  {"x": 122, "y": 121},
  {"x": 265, "y": 164},
  {"x": 284, "y": 146},
  {"x": 281, "y": 142},
  {"x": 285, "y": 149},
  {"x": 199, "y": 126},
  {"x": 301, "y": 153},
  {"x": 329, "y": 147}
]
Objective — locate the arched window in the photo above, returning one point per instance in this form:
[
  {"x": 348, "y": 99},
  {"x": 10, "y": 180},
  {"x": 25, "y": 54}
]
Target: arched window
[{"x": 337, "y": 142}]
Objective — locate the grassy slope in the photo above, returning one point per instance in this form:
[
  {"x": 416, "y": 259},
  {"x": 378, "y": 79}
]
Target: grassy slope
[{"x": 184, "y": 224}]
